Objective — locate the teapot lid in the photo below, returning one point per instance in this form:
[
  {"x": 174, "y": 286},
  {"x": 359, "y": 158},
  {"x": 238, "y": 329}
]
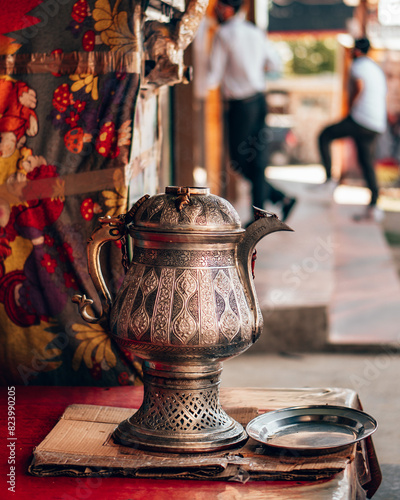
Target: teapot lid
[{"x": 186, "y": 209}]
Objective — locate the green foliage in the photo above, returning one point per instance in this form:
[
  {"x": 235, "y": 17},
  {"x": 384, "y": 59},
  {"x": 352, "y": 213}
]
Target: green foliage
[
  {"x": 393, "y": 238},
  {"x": 312, "y": 56}
]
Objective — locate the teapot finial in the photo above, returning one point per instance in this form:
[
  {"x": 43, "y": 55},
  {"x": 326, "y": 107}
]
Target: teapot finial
[{"x": 183, "y": 198}]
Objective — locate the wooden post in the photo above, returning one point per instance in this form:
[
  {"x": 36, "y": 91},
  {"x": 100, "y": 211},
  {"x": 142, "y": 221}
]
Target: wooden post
[
  {"x": 183, "y": 130},
  {"x": 363, "y": 16}
]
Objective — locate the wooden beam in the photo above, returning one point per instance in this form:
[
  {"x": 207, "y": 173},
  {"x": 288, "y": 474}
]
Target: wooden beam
[{"x": 183, "y": 130}]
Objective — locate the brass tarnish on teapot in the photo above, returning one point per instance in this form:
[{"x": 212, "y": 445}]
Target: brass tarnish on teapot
[{"x": 187, "y": 303}]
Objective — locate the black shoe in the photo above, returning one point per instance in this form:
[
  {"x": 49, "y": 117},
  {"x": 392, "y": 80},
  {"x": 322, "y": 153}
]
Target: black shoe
[{"x": 287, "y": 208}]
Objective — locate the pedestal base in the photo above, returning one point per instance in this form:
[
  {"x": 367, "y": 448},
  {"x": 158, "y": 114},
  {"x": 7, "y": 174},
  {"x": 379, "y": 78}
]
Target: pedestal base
[{"x": 180, "y": 412}]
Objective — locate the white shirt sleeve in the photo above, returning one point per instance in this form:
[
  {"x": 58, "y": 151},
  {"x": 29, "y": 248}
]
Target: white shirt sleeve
[
  {"x": 355, "y": 71},
  {"x": 273, "y": 61},
  {"x": 217, "y": 63}
]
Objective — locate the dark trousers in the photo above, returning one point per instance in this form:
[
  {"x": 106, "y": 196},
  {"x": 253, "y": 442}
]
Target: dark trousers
[
  {"x": 364, "y": 140},
  {"x": 247, "y": 135}
]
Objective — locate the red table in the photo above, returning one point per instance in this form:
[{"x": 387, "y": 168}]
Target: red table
[{"x": 39, "y": 408}]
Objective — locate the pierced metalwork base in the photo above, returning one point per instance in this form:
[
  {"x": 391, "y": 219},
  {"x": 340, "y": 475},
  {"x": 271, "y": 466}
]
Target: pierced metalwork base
[{"x": 180, "y": 412}]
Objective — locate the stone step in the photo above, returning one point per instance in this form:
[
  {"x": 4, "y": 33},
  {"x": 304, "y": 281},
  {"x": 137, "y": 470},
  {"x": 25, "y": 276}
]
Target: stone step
[{"x": 365, "y": 305}]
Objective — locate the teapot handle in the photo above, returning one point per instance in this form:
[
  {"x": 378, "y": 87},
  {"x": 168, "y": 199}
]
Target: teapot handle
[{"x": 109, "y": 229}]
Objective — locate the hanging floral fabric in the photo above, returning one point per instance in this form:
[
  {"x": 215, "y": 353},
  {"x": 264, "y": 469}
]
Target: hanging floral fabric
[{"x": 69, "y": 78}]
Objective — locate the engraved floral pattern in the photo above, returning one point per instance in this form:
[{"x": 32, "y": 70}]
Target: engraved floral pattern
[
  {"x": 184, "y": 326},
  {"x": 150, "y": 282},
  {"x": 119, "y": 317},
  {"x": 170, "y": 215},
  {"x": 209, "y": 210},
  {"x": 244, "y": 311},
  {"x": 191, "y": 212},
  {"x": 140, "y": 321},
  {"x": 208, "y": 320},
  {"x": 162, "y": 309},
  {"x": 230, "y": 213},
  {"x": 119, "y": 302},
  {"x": 229, "y": 323},
  {"x": 184, "y": 258},
  {"x": 155, "y": 207},
  {"x": 177, "y": 287}
]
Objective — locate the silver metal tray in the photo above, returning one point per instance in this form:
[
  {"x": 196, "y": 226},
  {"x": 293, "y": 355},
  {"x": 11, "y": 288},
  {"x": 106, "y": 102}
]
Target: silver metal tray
[{"x": 317, "y": 428}]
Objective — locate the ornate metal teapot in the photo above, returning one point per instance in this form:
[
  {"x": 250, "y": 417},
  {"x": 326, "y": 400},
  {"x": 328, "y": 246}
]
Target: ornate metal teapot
[{"x": 187, "y": 302}]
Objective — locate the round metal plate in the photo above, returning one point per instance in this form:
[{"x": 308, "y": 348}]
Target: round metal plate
[{"x": 314, "y": 428}]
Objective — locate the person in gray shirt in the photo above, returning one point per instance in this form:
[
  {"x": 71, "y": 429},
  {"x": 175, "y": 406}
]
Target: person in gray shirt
[{"x": 365, "y": 121}]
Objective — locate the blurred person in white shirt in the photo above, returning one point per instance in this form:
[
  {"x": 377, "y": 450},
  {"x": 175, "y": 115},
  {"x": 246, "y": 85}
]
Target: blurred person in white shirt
[{"x": 240, "y": 57}]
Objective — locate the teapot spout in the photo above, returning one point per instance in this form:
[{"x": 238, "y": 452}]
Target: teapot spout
[{"x": 264, "y": 223}]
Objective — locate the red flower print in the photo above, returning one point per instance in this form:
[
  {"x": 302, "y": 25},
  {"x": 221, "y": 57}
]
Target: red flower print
[
  {"x": 72, "y": 119},
  {"x": 73, "y": 140},
  {"x": 123, "y": 378},
  {"x": 66, "y": 253},
  {"x": 128, "y": 355},
  {"x": 88, "y": 41},
  {"x": 107, "y": 141},
  {"x": 95, "y": 371},
  {"x": 79, "y": 11},
  {"x": 57, "y": 52},
  {"x": 70, "y": 281},
  {"x": 48, "y": 263},
  {"x": 62, "y": 97},
  {"x": 5, "y": 249},
  {"x": 41, "y": 209},
  {"x": 43, "y": 172},
  {"x": 48, "y": 240},
  {"x": 89, "y": 208},
  {"x": 79, "y": 106}
]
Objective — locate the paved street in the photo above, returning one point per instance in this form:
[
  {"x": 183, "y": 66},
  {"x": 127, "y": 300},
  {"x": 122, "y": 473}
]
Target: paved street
[{"x": 358, "y": 285}]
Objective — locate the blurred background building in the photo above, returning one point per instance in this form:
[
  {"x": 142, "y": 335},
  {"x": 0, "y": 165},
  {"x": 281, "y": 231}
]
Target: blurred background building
[{"x": 313, "y": 39}]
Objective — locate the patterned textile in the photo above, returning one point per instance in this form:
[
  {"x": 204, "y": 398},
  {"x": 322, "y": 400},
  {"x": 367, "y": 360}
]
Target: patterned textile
[{"x": 69, "y": 80}]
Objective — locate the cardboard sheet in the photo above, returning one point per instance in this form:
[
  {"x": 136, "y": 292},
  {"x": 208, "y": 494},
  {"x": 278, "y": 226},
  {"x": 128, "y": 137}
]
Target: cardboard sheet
[{"x": 81, "y": 444}]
